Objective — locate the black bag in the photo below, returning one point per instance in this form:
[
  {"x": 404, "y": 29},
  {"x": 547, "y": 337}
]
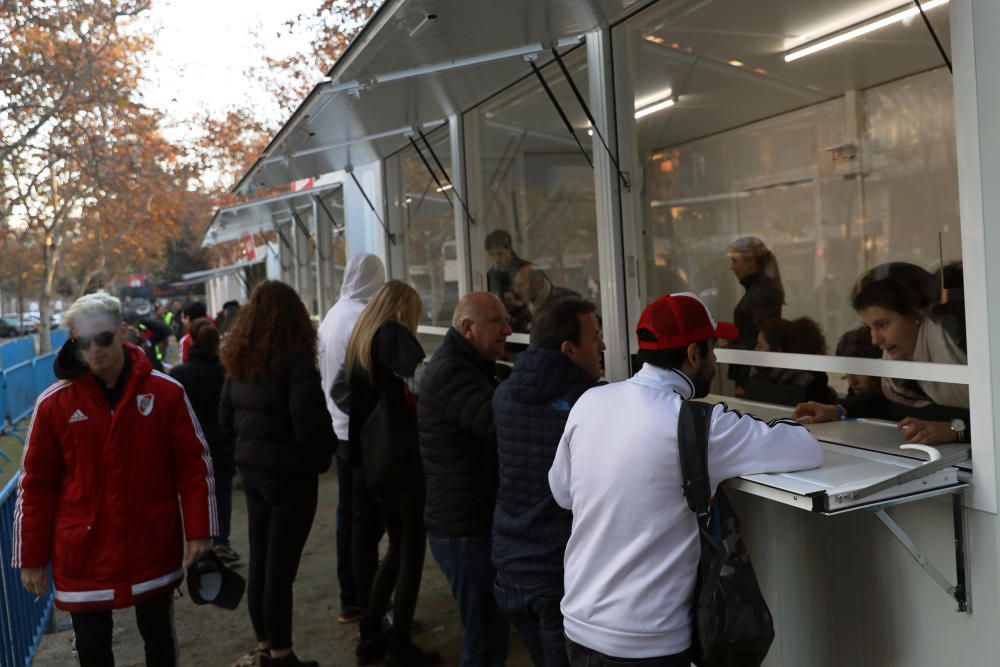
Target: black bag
[
  {"x": 379, "y": 457},
  {"x": 732, "y": 624}
]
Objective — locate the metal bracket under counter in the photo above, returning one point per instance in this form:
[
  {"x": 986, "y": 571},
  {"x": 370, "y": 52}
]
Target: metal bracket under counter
[{"x": 864, "y": 469}]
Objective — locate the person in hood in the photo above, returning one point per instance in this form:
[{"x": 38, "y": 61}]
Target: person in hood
[
  {"x": 112, "y": 446},
  {"x": 530, "y": 530},
  {"x": 203, "y": 376},
  {"x": 359, "y": 528}
]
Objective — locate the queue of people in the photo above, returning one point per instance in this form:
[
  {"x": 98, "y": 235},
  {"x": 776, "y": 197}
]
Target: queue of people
[{"x": 550, "y": 501}]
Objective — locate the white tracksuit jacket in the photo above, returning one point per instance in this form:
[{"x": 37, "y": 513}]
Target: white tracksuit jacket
[{"x": 632, "y": 557}]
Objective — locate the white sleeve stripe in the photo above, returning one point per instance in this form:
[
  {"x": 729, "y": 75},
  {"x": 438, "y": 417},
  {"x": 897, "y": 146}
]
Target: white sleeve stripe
[
  {"x": 16, "y": 557},
  {"x": 206, "y": 456},
  {"x": 213, "y": 512}
]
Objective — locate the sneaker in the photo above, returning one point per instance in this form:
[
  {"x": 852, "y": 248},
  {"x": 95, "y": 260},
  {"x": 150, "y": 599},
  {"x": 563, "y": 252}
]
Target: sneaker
[
  {"x": 290, "y": 660},
  {"x": 226, "y": 553}
]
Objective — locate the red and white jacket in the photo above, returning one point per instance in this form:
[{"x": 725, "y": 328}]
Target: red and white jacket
[{"x": 98, "y": 495}]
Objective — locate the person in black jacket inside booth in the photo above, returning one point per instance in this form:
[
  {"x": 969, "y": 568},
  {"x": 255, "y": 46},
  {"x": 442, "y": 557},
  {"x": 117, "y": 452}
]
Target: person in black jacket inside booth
[
  {"x": 756, "y": 267},
  {"x": 382, "y": 357},
  {"x": 272, "y": 402},
  {"x": 459, "y": 448},
  {"x": 530, "y": 530},
  {"x": 203, "y": 376}
]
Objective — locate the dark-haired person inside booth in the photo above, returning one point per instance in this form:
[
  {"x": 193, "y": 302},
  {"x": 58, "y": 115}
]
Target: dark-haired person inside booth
[
  {"x": 895, "y": 301},
  {"x": 788, "y": 386}
]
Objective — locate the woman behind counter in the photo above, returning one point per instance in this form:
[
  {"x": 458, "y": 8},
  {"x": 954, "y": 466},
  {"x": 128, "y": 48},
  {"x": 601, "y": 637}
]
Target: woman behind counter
[
  {"x": 756, "y": 267},
  {"x": 907, "y": 324}
]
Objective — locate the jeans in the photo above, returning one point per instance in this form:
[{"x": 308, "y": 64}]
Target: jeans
[
  {"x": 155, "y": 618},
  {"x": 467, "y": 564},
  {"x": 359, "y": 530},
  {"x": 399, "y": 575},
  {"x": 533, "y": 608},
  {"x": 280, "y": 511},
  {"x": 581, "y": 656},
  {"x": 224, "y": 503}
]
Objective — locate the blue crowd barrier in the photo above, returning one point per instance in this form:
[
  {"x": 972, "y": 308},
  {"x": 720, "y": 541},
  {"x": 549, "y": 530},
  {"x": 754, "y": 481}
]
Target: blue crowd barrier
[
  {"x": 17, "y": 351},
  {"x": 23, "y": 618},
  {"x": 57, "y": 337},
  {"x": 20, "y": 386},
  {"x": 44, "y": 371}
]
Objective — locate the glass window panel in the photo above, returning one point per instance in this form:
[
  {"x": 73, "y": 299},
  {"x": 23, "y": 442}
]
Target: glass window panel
[
  {"x": 427, "y": 228},
  {"x": 838, "y": 163},
  {"x": 334, "y": 253},
  {"x": 538, "y": 188}
]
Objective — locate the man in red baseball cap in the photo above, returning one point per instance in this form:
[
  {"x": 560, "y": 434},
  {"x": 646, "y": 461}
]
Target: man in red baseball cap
[{"x": 631, "y": 561}]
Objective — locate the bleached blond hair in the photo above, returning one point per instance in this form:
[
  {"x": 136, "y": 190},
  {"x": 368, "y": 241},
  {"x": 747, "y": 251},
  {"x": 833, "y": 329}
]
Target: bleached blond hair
[{"x": 99, "y": 304}]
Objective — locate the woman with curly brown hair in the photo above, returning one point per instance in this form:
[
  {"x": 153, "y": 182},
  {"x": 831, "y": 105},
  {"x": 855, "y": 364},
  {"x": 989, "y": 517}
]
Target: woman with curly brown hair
[{"x": 272, "y": 402}]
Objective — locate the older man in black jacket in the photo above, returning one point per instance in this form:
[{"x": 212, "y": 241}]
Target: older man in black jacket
[
  {"x": 459, "y": 448},
  {"x": 530, "y": 530}
]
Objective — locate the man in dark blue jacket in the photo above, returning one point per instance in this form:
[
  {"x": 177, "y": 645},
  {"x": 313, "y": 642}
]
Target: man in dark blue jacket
[{"x": 530, "y": 530}]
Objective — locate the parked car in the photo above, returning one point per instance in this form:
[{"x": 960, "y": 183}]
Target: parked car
[{"x": 11, "y": 327}]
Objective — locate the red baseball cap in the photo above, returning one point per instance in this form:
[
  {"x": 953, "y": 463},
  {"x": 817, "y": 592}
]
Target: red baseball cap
[{"x": 678, "y": 320}]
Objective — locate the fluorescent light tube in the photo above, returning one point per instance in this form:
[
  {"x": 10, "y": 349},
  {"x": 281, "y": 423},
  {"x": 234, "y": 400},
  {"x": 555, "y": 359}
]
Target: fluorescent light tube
[
  {"x": 653, "y": 108},
  {"x": 863, "y": 29},
  {"x": 444, "y": 187}
]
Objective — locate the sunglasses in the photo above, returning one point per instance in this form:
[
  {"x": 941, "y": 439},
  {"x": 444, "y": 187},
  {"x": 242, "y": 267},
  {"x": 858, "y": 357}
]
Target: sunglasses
[{"x": 103, "y": 339}]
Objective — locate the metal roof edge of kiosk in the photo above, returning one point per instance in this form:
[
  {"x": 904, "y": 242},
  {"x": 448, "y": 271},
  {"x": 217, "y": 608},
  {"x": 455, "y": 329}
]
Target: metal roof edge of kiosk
[
  {"x": 377, "y": 97},
  {"x": 252, "y": 217}
]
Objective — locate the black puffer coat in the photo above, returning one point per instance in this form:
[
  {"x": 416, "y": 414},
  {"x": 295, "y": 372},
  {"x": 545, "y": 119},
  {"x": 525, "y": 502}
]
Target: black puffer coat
[
  {"x": 530, "y": 530},
  {"x": 458, "y": 440},
  {"x": 203, "y": 376},
  {"x": 280, "y": 422}
]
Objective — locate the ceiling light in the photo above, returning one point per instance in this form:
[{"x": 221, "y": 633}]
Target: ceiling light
[
  {"x": 736, "y": 63},
  {"x": 445, "y": 187},
  {"x": 653, "y": 108},
  {"x": 658, "y": 96},
  {"x": 862, "y": 29}
]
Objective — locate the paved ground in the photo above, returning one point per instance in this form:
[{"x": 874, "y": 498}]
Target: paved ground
[{"x": 213, "y": 637}]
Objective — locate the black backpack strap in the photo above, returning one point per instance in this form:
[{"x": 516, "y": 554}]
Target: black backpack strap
[{"x": 693, "y": 425}]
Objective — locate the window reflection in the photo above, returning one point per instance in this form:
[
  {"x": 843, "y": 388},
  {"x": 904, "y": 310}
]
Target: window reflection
[
  {"x": 538, "y": 194},
  {"x": 427, "y": 228},
  {"x": 774, "y": 190}
]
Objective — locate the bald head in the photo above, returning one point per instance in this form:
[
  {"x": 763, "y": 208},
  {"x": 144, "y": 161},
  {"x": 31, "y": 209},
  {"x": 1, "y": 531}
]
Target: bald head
[
  {"x": 481, "y": 319},
  {"x": 531, "y": 284}
]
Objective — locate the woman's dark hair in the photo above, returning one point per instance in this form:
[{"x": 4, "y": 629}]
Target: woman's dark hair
[
  {"x": 195, "y": 310},
  {"x": 204, "y": 336},
  {"x": 671, "y": 359},
  {"x": 271, "y": 329},
  {"x": 800, "y": 336},
  {"x": 897, "y": 286},
  {"x": 858, "y": 343},
  {"x": 560, "y": 322}
]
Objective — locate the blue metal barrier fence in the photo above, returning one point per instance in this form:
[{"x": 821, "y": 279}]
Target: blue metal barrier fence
[{"x": 23, "y": 618}]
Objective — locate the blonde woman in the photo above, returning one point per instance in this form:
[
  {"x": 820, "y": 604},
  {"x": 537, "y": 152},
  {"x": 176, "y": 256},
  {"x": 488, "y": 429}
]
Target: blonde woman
[{"x": 382, "y": 356}]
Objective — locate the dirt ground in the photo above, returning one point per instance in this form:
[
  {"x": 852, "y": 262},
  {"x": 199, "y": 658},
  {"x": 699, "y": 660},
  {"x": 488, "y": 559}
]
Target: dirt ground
[{"x": 213, "y": 637}]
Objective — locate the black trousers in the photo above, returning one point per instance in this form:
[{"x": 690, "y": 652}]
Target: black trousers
[
  {"x": 155, "y": 618},
  {"x": 399, "y": 574},
  {"x": 359, "y": 531},
  {"x": 280, "y": 512}
]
